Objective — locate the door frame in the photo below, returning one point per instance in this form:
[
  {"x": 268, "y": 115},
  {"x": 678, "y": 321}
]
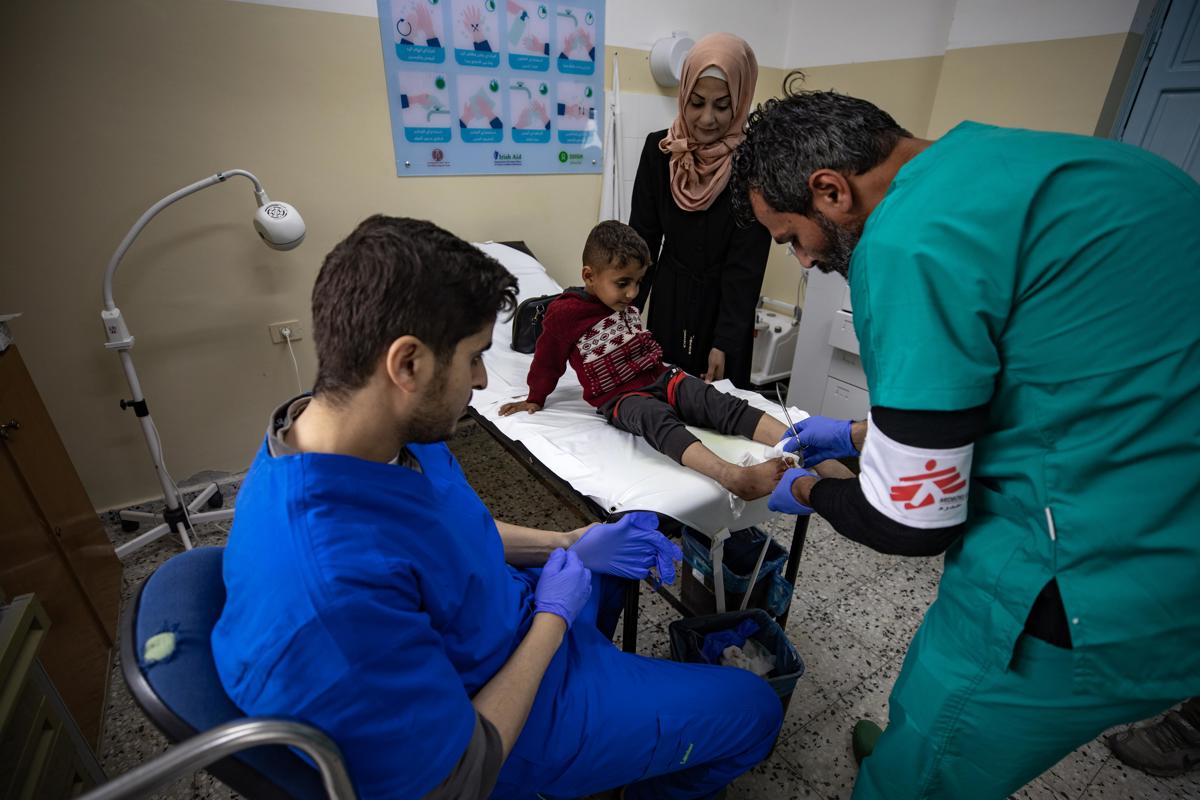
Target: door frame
[{"x": 1154, "y": 29}]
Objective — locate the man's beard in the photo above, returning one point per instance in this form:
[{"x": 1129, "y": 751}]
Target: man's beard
[
  {"x": 433, "y": 422},
  {"x": 839, "y": 245}
]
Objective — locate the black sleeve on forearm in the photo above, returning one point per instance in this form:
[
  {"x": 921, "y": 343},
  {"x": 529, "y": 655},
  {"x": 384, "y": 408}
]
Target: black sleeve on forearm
[
  {"x": 933, "y": 429},
  {"x": 841, "y": 501},
  {"x": 843, "y": 504}
]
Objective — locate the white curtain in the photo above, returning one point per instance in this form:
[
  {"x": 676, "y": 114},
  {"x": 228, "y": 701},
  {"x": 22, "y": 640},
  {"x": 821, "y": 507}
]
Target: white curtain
[{"x": 611, "y": 193}]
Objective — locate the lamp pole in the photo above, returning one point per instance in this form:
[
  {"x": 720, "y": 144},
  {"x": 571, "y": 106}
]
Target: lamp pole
[{"x": 281, "y": 227}]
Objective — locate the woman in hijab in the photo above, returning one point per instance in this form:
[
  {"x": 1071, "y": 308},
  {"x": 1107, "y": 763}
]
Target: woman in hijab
[{"x": 706, "y": 271}]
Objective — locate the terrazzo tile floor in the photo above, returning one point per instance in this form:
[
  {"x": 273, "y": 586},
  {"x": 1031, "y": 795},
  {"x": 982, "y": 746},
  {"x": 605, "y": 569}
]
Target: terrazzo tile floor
[{"x": 852, "y": 617}]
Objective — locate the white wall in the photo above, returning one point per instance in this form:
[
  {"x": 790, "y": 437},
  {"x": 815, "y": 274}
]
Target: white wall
[
  {"x": 638, "y": 23},
  {"x": 883, "y": 30},
  {"x": 790, "y": 33},
  {"x": 807, "y": 33},
  {"x": 362, "y": 8},
  {"x": 640, "y": 115},
  {"x": 765, "y": 24},
  {"x": 979, "y": 23}
]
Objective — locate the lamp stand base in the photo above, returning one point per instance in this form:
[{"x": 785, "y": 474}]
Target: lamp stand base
[{"x": 174, "y": 519}]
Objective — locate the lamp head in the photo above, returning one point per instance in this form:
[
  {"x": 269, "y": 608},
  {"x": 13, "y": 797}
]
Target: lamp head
[{"x": 279, "y": 224}]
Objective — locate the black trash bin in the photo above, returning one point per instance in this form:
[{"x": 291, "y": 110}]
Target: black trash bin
[{"x": 687, "y": 637}]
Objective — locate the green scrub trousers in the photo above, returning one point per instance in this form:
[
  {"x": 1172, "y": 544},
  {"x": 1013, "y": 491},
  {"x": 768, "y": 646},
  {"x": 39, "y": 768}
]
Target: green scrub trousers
[{"x": 960, "y": 729}]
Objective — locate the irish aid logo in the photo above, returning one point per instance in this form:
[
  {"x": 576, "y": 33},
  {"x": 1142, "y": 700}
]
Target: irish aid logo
[{"x": 918, "y": 491}]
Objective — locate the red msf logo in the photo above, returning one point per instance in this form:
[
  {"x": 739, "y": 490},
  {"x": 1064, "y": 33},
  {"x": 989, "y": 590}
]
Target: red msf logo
[{"x": 946, "y": 481}]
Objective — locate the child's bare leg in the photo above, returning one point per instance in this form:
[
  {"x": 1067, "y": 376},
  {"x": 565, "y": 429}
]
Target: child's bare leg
[
  {"x": 748, "y": 483},
  {"x": 769, "y": 430}
]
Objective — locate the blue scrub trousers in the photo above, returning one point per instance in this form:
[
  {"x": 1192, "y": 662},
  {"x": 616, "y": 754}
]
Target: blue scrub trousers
[
  {"x": 960, "y": 727},
  {"x": 668, "y": 731}
]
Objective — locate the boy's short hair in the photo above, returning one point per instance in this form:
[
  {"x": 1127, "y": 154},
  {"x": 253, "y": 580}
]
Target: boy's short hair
[
  {"x": 392, "y": 277},
  {"x": 612, "y": 244}
]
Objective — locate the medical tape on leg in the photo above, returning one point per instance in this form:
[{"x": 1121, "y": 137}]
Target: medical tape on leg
[{"x": 672, "y": 388}]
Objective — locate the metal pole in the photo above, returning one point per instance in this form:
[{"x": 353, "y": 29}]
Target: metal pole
[
  {"x": 225, "y": 740},
  {"x": 793, "y": 562}
]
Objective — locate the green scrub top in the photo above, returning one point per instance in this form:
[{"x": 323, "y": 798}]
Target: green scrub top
[{"x": 1055, "y": 278}]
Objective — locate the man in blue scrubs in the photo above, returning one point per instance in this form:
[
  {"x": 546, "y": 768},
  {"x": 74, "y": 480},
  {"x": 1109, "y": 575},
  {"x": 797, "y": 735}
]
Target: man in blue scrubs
[
  {"x": 1025, "y": 304},
  {"x": 371, "y": 594}
]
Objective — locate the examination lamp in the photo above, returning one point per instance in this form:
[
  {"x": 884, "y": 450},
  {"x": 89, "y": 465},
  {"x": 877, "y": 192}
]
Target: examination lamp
[{"x": 281, "y": 228}]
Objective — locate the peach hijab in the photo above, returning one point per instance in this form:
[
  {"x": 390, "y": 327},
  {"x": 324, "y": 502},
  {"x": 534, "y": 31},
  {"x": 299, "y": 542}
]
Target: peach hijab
[{"x": 699, "y": 173}]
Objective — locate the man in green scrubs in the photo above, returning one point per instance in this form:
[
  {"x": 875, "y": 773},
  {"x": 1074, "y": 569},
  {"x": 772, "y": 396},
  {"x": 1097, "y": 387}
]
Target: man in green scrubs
[{"x": 1028, "y": 310}]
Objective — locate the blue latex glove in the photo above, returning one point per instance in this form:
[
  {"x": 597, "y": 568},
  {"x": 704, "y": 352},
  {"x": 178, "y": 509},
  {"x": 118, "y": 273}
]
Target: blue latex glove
[
  {"x": 782, "y": 498},
  {"x": 628, "y": 548},
  {"x": 563, "y": 587},
  {"x": 715, "y": 643},
  {"x": 819, "y": 439}
]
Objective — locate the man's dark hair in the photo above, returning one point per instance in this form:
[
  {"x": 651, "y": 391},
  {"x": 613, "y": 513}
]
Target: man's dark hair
[
  {"x": 789, "y": 138},
  {"x": 613, "y": 244},
  {"x": 392, "y": 277}
]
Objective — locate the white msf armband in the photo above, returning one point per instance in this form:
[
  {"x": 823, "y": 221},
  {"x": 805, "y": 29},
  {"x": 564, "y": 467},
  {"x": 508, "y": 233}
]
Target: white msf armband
[{"x": 915, "y": 486}]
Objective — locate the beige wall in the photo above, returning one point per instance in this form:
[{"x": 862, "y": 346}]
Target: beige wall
[
  {"x": 904, "y": 87},
  {"x": 160, "y": 93},
  {"x": 1059, "y": 85},
  {"x": 1064, "y": 85}
]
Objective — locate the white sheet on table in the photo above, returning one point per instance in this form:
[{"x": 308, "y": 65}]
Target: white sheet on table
[{"x": 621, "y": 472}]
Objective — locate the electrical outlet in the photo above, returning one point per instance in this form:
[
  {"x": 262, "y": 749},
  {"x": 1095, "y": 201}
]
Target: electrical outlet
[{"x": 294, "y": 331}]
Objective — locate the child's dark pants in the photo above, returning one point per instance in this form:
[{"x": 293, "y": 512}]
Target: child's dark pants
[{"x": 660, "y": 412}]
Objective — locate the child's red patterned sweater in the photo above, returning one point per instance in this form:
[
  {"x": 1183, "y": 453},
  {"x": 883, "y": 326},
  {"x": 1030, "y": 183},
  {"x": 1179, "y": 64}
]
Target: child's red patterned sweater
[{"x": 610, "y": 351}]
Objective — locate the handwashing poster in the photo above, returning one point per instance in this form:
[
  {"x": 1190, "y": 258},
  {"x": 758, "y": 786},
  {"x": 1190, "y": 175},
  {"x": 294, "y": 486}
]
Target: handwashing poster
[
  {"x": 475, "y": 28},
  {"x": 481, "y": 100},
  {"x": 576, "y": 109},
  {"x": 530, "y": 104},
  {"x": 576, "y": 39},
  {"x": 490, "y": 87},
  {"x": 416, "y": 31},
  {"x": 425, "y": 107},
  {"x": 528, "y": 35}
]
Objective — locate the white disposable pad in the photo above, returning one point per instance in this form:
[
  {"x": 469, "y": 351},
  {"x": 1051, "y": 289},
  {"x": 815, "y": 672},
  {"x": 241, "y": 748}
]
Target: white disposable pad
[{"x": 618, "y": 470}]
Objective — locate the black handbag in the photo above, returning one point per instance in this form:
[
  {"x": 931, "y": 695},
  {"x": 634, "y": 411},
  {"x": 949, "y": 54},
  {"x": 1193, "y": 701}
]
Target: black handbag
[{"x": 527, "y": 322}]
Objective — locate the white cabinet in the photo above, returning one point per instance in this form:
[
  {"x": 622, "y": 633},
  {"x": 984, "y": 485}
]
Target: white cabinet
[
  {"x": 841, "y": 332},
  {"x": 827, "y": 375},
  {"x": 843, "y": 401}
]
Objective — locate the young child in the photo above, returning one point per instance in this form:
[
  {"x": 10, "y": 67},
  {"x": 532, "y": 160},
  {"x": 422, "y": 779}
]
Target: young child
[{"x": 599, "y": 331}]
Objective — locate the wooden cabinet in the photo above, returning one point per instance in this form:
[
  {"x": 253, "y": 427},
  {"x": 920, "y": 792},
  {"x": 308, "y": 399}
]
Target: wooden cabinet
[
  {"x": 42, "y": 754},
  {"x": 52, "y": 545}
]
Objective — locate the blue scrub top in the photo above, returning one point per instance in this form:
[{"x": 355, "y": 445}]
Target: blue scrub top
[{"x": 373, "y": 600}]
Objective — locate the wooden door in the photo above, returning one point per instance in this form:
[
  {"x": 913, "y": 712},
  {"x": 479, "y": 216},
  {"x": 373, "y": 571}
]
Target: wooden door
[{"x": 52, "y": 545}]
